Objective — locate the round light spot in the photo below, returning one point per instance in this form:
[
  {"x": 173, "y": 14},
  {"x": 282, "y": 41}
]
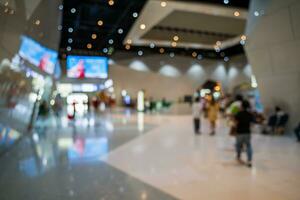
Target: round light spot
[
  {"x": 226, "y": 1},
  {"x": 140, "y": 52},
  {"x": 94, "y": 36},
  {"x": 163, "y": 4},
  {"x": 142, "y": 26},
  {"x": 135, "y": 14},
  {"x": 73, "y": 10},
  {"x": 111, "y": 2},
  {"x": 89, "y": 46},
  {"x": 127, "y": 46},
  {"x": 105, "y": 50},
  {"x": 129, "y": 41},
  {"x": 152, "y": 45},
  {"x": 120, "y": 31},
  {"x": 37, "y": 22},
  {"x": 176, "y": 38},
  {"x": 161, "y": 50},
  {"x": 100, "y": 23}
]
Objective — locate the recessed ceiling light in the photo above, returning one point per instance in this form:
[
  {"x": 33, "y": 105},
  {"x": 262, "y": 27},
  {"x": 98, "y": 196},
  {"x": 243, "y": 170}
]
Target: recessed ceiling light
[
  {"x": 161, "y": 50},
  {"x": 60, "y": 7},
  {"x": 69, "y": 48},
  {"x": 105, "y": 50},
  {"x": 176, "y": 38},
  {"x": 163, "y": 4},
  {"x": 129, "y": 41},
  {"x": 111, "y": 2},
  {"x": 174, "y": 44},
  {"x": 110, "y": 41},
  {"x": 243, "y": 37},
  {"x": 120, "y": 30},
  {"x": 199, "y": 57},
  {"x": 194, "y": 54},
  {"x": 100, "y": 22},
  {"x": 256, "y": 13},
  {"x": 218, "y": 43},
  {"x": 140, "y": 52},
  {"x": 135, "y": 14},
  {"x": 236, "y": 13},
  {"x": 59, "y": 27},
  {"x": 226, "y": 1},
  {"x": 70, "y": 40},
  {"x": 94, "y": 36},
  {"x": 89, "y": 46},
  {"x": 152, "y": 45},
  {"x": 142, "y": 26},
  {"x": 37, "y": 22},
  {"x": 70, "y": 30},
  {"x": 73, "y": 10},
  {"x": 172, "y": 54},
  {"x": 127, "y": 46}
]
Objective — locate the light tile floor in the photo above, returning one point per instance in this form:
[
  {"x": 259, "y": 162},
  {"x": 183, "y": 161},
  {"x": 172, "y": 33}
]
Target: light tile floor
[{"x": 171, "y": 158}]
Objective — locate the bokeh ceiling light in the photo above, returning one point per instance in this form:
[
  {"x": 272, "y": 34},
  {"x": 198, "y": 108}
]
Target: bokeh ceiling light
[
  {"x": 94, "y": 36},
  {"x": 142, "y": 26},
  {"x": 163, "y": 4},
  {"x": 89, "y": 46},
  {"x": 161, "y": 50},
  {"x": 100, "y": 23},
  {"x": 236, "y": 13},
  {"x": 176, "y": 38},
  {"x": 111, "y": 2}
]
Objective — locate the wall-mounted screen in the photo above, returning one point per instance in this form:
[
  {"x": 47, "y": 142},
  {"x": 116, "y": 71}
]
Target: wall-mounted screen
[
  {"x": 87, "y": 67},
  {"x": 36, "y": 54}
]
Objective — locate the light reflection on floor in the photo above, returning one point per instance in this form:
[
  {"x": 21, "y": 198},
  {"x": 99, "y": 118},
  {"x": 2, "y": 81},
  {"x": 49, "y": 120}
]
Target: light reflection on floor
[
  {"x": 63, "y": 159},
  {"x": 129, "y": 155}
]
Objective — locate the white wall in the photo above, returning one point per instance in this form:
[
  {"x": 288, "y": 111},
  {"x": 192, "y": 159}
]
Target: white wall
[
  {"x": 186, "y": 74},
  {"x": 273, "y": 46},
  {"x": 155, "y": 85}
]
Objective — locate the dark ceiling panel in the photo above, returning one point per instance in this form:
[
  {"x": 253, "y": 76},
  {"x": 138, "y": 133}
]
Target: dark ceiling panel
[{"x": 84, "y": 23}]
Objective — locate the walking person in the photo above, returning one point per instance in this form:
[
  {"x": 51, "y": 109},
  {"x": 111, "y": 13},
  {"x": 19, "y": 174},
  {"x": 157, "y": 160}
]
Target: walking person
[
  {"x": 197, "y": 110},
  {"x": 58, "y": 108},
  {"x": 212, "y": 111},
  {"x": 243, "y": 120}
]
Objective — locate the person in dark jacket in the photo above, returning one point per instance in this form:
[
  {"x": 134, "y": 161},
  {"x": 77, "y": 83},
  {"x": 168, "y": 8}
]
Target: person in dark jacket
[{"x": 243, "y": 120}]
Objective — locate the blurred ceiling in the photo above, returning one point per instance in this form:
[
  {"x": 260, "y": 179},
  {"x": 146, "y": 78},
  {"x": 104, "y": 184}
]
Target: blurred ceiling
[{"x": 101, "y": 27}]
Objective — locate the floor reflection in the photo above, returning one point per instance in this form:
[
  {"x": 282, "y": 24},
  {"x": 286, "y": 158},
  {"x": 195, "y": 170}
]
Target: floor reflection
[{"x": 65, "y": 160}]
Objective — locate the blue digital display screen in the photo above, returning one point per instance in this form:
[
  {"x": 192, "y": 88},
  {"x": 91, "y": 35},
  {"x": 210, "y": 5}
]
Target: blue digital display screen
[
  {"x": 87, "y": 67},
  {"x": 45, "y": 59}
]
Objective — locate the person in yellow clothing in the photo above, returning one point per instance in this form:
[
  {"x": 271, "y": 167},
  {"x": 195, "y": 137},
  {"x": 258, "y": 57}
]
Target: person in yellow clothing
[{"x": 212, "y": 111}]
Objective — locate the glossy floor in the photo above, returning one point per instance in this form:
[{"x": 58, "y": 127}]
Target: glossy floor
[
  {"x": 135, "y": 156},
  {"x": 191, "y": 167}
]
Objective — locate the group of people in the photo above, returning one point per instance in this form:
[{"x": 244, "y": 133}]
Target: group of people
[{"x": 241, "y": 119}]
